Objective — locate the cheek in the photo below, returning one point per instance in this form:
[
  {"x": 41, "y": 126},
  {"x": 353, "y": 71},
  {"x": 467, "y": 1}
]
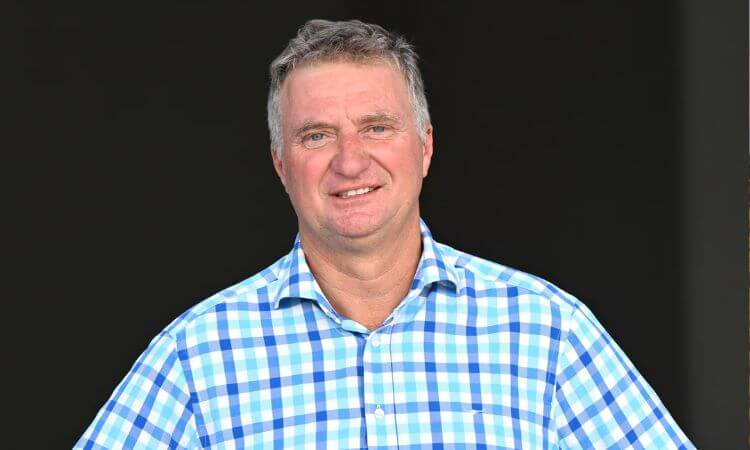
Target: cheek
[
  {"x": 415, "y": 163},
  {"x": 305, "y": 176},
  {"x": 404, "y": 159}
]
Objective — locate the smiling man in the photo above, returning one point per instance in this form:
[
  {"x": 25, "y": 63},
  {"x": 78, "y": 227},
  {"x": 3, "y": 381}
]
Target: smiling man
[
  {"x": 369, "y": 334},
  {"x": 352, "y": 158}
]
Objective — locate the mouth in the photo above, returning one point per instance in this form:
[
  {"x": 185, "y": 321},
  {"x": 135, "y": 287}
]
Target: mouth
[{"x": 356, "y": 192}]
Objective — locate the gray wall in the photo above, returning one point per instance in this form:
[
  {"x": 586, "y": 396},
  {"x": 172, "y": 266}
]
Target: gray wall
[{"x": 713, "y": 67}]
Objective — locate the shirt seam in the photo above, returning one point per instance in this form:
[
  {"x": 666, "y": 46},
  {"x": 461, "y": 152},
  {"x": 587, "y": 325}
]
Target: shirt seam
[
  {"x": 196, "y": 414},
  {"x": 565, "y": 334}
]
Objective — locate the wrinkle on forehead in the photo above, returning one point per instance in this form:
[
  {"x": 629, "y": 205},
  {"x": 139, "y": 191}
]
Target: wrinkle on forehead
[
  {"x": 377, "y": 116},
  {"x": 319, "y": 98}
]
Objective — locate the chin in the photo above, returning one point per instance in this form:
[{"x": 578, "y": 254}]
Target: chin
[{"x": 357, "y": 226}]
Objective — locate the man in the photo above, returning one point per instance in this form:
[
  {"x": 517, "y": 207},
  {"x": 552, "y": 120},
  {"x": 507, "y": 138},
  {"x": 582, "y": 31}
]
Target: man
[{"x": 369, "y": 334}]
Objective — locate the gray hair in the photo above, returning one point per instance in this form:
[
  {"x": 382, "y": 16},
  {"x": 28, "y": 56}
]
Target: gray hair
[{"x": 323, "y": 41}]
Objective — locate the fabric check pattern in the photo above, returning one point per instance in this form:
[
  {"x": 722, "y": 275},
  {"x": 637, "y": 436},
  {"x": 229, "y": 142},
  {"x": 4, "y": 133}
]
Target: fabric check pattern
[{"x": 477, "y": 356}]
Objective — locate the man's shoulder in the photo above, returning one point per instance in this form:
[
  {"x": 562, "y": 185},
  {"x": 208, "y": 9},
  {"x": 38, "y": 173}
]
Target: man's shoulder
[
  {"x": 491, "y": 274},
  {"x": 252, "y": 293}
]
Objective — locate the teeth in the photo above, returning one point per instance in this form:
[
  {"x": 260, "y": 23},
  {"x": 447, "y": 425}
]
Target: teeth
[{"x": 354, "y": 192}]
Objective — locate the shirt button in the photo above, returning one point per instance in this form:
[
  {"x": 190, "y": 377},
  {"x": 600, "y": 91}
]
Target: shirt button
[
  {"x": 375, "y": 341},
  {"x": 379, "y": 413}
]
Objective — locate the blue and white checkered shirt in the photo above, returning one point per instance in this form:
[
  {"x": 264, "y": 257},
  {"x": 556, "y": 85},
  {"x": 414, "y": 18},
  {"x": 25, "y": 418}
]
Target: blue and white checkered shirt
[{"x": 477, "y": 356}]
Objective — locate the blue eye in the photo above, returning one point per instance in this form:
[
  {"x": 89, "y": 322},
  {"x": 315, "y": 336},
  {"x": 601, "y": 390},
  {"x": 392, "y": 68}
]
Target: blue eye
[
  {"x": 378, "y": 129},
  {"x": 316, "y": 139}
]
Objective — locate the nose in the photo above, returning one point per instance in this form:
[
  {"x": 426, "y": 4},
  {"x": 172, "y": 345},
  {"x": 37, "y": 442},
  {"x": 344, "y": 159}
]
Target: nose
[{"x": 351, "y": 158}]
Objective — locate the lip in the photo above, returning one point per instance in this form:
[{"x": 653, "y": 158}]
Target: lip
[{"x": 375, "y": 187}]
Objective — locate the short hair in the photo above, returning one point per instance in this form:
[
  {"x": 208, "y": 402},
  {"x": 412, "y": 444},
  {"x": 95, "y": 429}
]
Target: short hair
[{"x": 352, "y": 40}]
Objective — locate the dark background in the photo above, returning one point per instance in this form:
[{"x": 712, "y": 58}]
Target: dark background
[{"x": 599, "y": 144}]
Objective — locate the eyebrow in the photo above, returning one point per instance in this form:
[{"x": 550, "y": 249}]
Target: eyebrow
[
  {"x": 311, "y": 125},
  {"x": 379, "y": 117},
  {"x": 376, "y": 117}
]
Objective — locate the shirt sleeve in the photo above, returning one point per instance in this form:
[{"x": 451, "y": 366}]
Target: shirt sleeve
[
  {"x": 601, "y": 401},
  {"x": 150, "y": 409}
]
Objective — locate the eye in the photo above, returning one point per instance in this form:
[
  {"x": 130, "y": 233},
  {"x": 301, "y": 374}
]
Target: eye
[
  {"x": 315, "y": 139},
  {"x": 379, "y": 131}
]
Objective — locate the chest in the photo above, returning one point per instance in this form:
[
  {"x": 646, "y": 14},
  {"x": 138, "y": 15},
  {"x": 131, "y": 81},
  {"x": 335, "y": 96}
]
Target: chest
[{"x": 415, "y": 386}]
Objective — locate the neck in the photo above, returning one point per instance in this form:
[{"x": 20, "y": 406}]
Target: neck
[{"x": 365, "y": 283}]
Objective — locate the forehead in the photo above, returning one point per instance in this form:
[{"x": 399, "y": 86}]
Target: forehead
[{"x": 330, "y": 88}]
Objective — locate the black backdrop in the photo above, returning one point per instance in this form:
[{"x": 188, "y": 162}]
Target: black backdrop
[{"x": 598, "y": 144}]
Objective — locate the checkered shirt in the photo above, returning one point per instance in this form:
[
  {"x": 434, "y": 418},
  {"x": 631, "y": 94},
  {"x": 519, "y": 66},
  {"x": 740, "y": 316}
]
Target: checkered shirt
[{"x": 476, "y": 356}]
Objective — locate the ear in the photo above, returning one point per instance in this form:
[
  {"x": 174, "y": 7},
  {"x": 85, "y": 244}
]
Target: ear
[
  {"x": 278, "y": 165},
  {"x": 426, "y": 151}
]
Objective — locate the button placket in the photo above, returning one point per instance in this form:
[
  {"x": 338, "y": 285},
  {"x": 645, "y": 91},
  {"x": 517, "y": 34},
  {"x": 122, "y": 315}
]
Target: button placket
[{"x": 378, "y": 390}]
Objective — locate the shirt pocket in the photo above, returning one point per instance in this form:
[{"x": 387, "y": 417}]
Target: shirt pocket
[
  {"x": 462, "y": 426},
  {"x": 500, "y": 429}
]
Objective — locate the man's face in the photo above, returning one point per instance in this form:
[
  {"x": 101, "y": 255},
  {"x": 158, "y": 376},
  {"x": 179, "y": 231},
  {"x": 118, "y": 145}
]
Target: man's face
[{"x": 352, "y": 161}]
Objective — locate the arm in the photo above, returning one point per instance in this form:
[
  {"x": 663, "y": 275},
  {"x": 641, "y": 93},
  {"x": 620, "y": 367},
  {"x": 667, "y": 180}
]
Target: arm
[
  {"x": 601, "y": 401},
  {"x": 151, "y": 408}
]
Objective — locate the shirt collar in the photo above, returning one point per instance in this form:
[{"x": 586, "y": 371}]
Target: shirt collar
[
  {"x": 295, "y": 279},
  {"x": 434, "y": 266}
]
